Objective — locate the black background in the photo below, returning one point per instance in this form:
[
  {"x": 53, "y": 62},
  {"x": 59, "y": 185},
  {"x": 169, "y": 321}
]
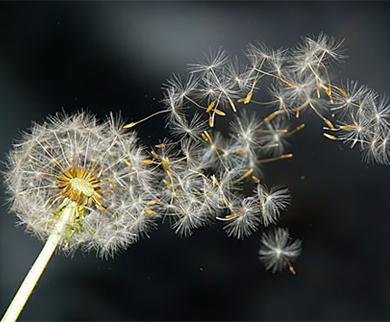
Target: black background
[{"x": 111, "y": 56}]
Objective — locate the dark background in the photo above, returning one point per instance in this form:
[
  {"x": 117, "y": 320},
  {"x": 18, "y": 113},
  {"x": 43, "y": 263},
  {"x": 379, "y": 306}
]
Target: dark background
[{"x": 108, "y": 56}]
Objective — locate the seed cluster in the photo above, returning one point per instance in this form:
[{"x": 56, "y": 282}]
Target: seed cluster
[
  {"x": 98, "y": 166},
  {"x": 227, "y": 118}
]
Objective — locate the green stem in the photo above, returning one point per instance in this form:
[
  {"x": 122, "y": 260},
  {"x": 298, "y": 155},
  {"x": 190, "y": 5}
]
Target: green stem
[{"x": 40, "y": 264}]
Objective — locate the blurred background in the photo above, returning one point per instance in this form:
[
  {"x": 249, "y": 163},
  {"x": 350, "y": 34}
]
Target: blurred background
[{"x": 114, "y": 56}]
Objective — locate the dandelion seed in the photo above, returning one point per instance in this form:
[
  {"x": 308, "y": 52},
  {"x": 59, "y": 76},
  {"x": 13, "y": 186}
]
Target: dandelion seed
[
  {"x": 212, "y": 61},
  {"x": 242, "y": 219},
  {"x": 271, "y": 203},
  {"x": 183, "y": 128},
  {"x": 278, "y": 251},
  {"x": 348, "y": 96}
]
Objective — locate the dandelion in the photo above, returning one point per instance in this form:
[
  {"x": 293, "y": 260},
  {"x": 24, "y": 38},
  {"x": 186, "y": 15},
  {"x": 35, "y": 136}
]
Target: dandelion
[
  {"x": 278, "y": 251},
  {"x": 76, "y": 183}
]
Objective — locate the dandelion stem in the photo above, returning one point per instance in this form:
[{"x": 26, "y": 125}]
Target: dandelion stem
[
  {"x": 132, "y": 124},
  {"x": 280, "y": 157},
  {"x": 39, "y": 265}
]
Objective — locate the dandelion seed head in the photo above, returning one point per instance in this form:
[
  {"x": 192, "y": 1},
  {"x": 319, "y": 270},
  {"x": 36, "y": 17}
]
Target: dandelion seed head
[{"x": 96, "y": 165}]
